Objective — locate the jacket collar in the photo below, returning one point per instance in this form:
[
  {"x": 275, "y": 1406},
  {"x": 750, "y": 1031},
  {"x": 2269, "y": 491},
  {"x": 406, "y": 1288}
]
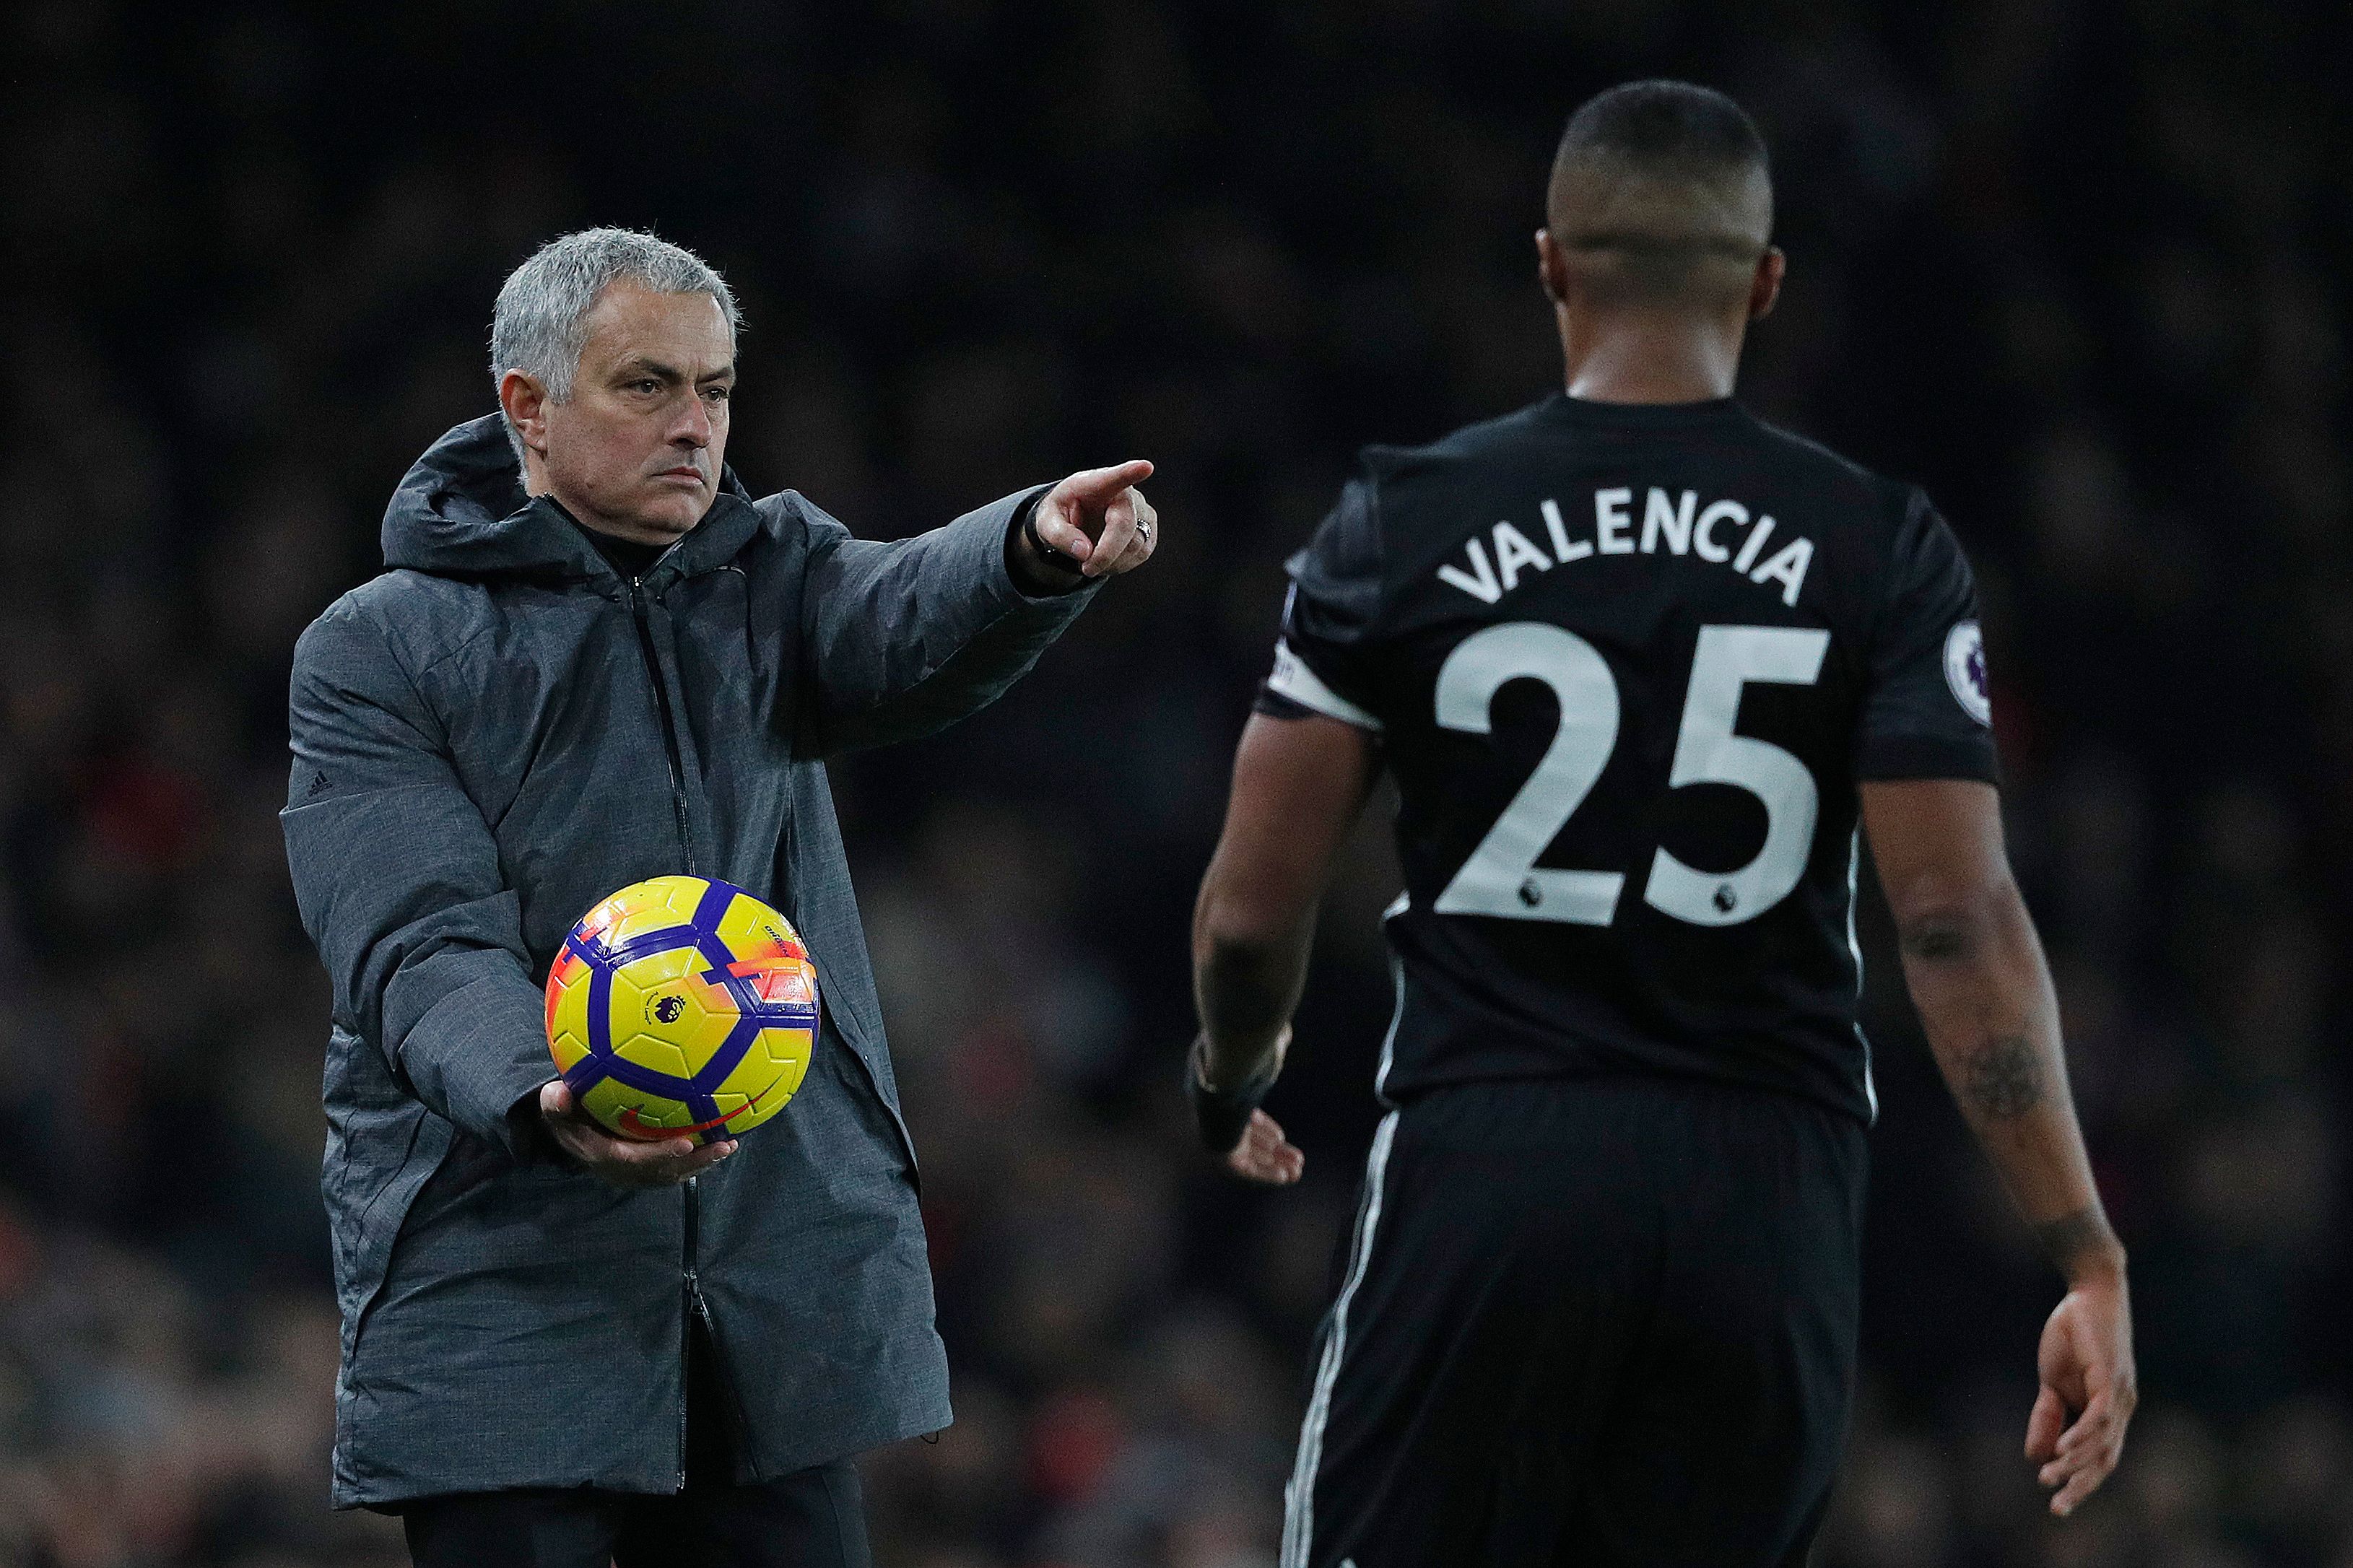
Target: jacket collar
[
  {"x": 461, "y": 511},
  {"x": 709, "y": 545}
]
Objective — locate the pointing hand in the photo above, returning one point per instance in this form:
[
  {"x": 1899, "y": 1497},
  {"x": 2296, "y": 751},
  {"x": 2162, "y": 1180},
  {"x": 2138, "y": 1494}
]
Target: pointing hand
[{"x": 1094, "y": 521}]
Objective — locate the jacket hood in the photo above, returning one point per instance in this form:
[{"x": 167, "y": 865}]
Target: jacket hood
[{"x": 461, "y": 510}]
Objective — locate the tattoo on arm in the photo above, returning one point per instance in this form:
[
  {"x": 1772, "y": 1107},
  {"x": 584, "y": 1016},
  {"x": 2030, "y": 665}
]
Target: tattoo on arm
[
  {"x": 1937, "y": 939},
  {"x": 2064, "y": 1240},
  {"x": 2002, "y": 1078}
]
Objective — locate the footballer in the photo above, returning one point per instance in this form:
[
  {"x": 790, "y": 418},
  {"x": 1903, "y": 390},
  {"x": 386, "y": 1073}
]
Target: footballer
[{"x": 1645, "y": 670}]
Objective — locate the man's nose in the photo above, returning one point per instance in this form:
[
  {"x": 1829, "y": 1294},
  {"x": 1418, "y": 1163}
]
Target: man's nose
[{"x": 692, "y": 428}]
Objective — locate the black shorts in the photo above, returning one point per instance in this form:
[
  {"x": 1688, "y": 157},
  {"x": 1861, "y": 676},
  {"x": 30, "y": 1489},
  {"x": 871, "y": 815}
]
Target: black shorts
[{"x": 1597, "y": 1323}]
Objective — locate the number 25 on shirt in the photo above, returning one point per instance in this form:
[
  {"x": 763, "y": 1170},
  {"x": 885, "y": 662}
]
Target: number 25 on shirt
[{"x": 1501, "y": 879}]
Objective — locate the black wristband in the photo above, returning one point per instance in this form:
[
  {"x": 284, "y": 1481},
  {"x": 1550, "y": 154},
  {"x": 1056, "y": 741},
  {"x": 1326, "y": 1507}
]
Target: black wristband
[
  {"x": 1223, "y": 1114},
  {"x": 1046, "y": 553}
]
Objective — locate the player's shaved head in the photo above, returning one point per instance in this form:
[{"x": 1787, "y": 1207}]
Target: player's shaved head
[{"x": 1661, "y": 196}]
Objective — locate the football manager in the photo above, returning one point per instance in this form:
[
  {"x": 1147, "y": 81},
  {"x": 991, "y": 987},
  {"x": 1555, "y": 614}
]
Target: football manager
[{"x": 592, "y": 657}]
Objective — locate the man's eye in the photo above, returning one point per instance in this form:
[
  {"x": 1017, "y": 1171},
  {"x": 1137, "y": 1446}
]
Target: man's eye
[
  {"x": 717, "y": 393},
  {"x": 647, "y": 384}
]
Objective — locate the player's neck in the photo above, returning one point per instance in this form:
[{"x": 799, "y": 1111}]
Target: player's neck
[{"x": 1650, "y": 359}]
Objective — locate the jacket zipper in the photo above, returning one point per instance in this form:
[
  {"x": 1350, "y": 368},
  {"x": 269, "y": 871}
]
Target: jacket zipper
[
  {"x": 691, "y": 1303},
  {"x": 669, "y": 724}
]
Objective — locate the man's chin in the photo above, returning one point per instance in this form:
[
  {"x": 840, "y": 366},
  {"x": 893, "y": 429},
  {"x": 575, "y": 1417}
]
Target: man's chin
[{"x": 668, "y": 518}]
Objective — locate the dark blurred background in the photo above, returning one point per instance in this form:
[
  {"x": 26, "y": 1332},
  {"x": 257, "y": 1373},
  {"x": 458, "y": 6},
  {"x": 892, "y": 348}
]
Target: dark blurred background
[{"x": 2076, "y": 265}]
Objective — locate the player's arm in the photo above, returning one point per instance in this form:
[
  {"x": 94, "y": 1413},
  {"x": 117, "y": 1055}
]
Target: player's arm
[
  {"x": 1976, "y": 971},
  {"x": 1299, "y": 784}
]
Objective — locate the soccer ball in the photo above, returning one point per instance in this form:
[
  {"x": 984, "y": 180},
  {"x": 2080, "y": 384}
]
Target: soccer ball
[{"x": 682, "y": 1006}]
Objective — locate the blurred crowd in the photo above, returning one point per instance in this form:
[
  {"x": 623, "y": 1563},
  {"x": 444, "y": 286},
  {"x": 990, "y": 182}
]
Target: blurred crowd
[{"x": 2076, "y": 268}]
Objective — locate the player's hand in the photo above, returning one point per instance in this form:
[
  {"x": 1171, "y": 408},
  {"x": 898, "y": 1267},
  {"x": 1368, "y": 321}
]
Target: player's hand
[
  {"x": 1097, "y": 519},
  {"x": 1264, "y": 1155},
  {"x": 624, "y": 1161},
  {"x": 2077, "y": 1430}
]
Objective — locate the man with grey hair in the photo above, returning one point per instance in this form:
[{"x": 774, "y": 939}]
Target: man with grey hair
[
  {"x": 541, "y": 321},
  {"x": 594, "y": 658}
]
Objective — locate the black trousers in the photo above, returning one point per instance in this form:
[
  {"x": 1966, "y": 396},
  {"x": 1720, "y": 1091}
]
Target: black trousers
[
  {"x": 1587, "y": 1324},
  {"x": 812, "y": 1519}
]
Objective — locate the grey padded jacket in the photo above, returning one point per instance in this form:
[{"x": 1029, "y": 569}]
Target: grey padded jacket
[{"x": 488, "y": 738}]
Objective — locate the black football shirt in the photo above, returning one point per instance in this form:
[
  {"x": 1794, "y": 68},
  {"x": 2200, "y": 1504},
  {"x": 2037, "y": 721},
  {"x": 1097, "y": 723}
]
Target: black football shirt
[{"x": 1626, "y": 663}]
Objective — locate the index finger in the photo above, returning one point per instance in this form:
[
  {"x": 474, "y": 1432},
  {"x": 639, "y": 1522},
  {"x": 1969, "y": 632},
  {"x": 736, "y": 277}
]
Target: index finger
[
  {"x": 1099, "y": 485},
  {"x": 2048, "y": 1419}
]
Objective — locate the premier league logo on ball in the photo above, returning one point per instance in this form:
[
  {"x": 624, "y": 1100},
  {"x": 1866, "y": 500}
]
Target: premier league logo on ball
[{"x": 1965, "y": 671}]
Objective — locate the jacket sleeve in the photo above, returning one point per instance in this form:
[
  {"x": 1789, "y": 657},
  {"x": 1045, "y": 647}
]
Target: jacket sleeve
[
  {"x": 901, "y": 639},
  {"x": 397, "y": 879}
]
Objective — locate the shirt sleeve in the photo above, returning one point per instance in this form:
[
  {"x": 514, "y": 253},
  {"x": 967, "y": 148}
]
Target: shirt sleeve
[
  {"x": 1322, "y": 660},
  {"x": 1929, "y": 711}
]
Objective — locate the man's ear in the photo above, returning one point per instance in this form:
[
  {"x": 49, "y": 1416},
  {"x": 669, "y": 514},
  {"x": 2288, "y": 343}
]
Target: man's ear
[
  {"x": 1552, "y": 268},
  {"x": 524, "y": 402},
  {"x": 1766, "y": 285}
]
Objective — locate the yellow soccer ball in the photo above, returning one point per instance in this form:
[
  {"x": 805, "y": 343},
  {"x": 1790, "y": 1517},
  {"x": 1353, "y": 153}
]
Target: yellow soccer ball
[{"x": 682, "y": 1006}]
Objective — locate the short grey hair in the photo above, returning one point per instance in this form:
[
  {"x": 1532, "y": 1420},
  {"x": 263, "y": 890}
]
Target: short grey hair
[{"x": 541, "y": 321}]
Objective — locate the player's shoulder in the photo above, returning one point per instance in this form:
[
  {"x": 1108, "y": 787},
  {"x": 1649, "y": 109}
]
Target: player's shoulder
[
  {"x": 1850, "y": 488},
  {"x": 1468, "y": 446},
  {"x": 1380, "y": 522}
]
